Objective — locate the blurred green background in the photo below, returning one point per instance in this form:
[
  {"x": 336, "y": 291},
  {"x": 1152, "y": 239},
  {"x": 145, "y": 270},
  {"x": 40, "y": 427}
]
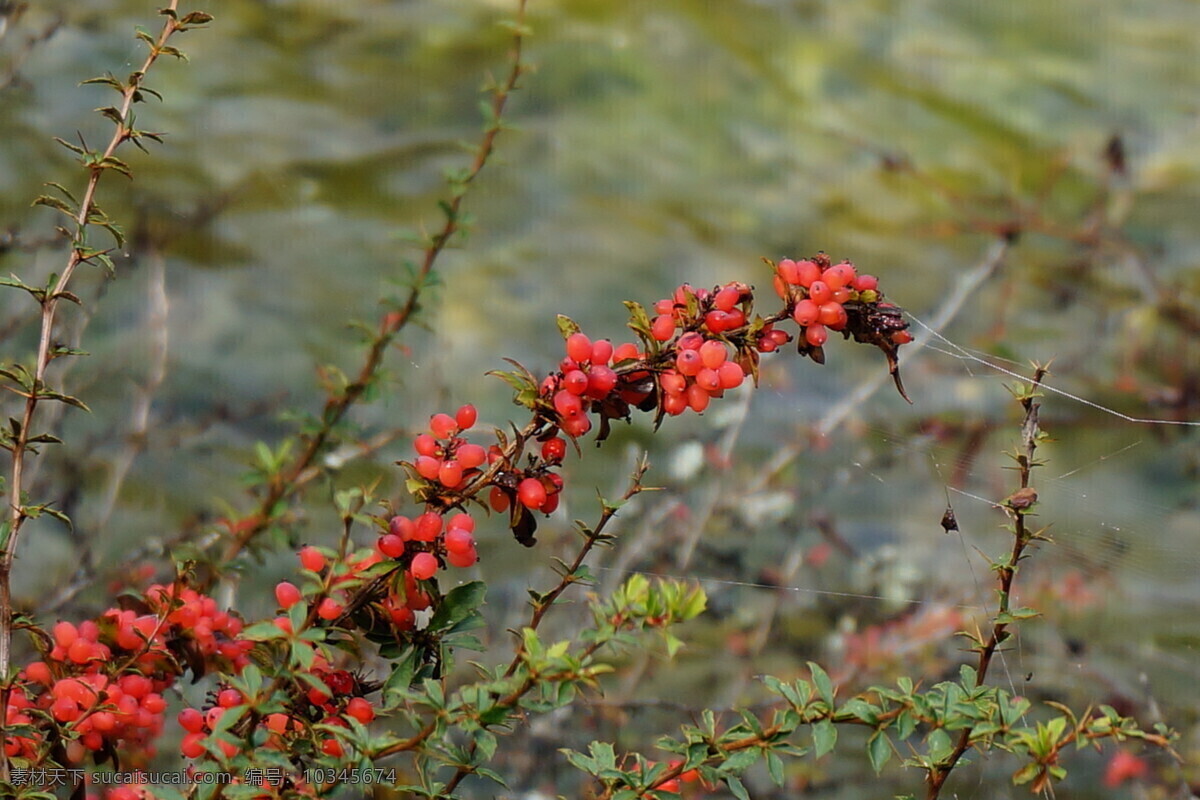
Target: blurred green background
[{"x": 1025, "y": 172}]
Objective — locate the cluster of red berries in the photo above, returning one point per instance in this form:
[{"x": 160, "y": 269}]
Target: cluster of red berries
[
  {"x": 313, "y": 707},
  {"x": 196, "y": 617},
  {"x": 445, "y": 457},
  {"x": 400, "y": 610},
  {"x": 817, "y": 292},
  {"x": 586, "y": 376},
  {"x": 341, "y": 584},
  {"x": 427, "y": 536},
  {"x": 79, "y": 687}
]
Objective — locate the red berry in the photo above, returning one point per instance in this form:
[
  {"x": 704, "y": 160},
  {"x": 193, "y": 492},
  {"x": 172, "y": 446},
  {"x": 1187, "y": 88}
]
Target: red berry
[
  {"x": 675, "y": 404},
  {"x": 576, "y": 426},
  {"x": 809, "y": 272},
  {"x": 816, "y": 335},
  {"x": 820, "y": 293},
  {"x": 567, "y": 404},
  {"x": 833, "y": 315},
  {"x": 718, "y": 321},
  {"x": 360, "y": 709},
  {"x": 402, "y": 618},
  {"x": 80, "y": 651},
  {"x": 312, "y": 559},
  {"x": 730, "y": 375},
  {"x": 841, "y": 295},
  {"x": 697, "y": 398},
  {"x": 402, "y": 527},
  {"x": 458, "y": 540},
  {"x": 329, "y": 609},
  {"x": 691, "y": 341},
  {"x": 463, "y": 521},
  {"x": 332, "y": 747},
  {"x": 901, "y": 337},
  {"x": 471, "y": 455},
  {"x": 286, "y": 594},
  {"x": 727, "y": 298},
  {"x": 228, "y": 698},
  {"x": 428, "y": 526},
  {"x": 626, "y": 352},
  {"x": 789, "y": 272},
  {"x": 39, "y": 672},
  {"x": 688, "y": 362},
  {"x": 450, "y": 474},
  {"x": 103, "y": 721},
  {"x": 424, "y": 566},
  {"x": 531, "y": 493},
  {"x": 713, "y": 353},
  {"x": 672, "y": 382},
  {"x": 191, "y": 746},
  {"x": 601, "y": 381},
  {"x": 602, "y": 352},
  {"x": 708, "y": 380},
  {"x": 840, "y": 275},
  {"x": 426, "y": 445},
  {"x": 465, "y": 417},
  {"x": 579, "y": 347},
  {"x": 498, "y": 499},
  {"x": 65, "y": 634},
  {"x": 191, "y": 720},
  {"x": 806, "y": 312},
  {"x": 663, "y": 327},
  {"x": 865, "y": 283},
  {"x": 443, "y": 425},
  {"x": 391, "y": 545},
  {"x": 575, "y": 381},
  {"x": 465, "y": 558},
  {"x": 555, "y": 449},
  {"x": 428, "y": 467}
]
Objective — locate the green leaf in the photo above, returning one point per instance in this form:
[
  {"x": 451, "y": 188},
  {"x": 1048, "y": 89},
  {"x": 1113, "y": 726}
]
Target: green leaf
[
  {"x": 402, "y": 674},
  {"x": 825, "y": 736},
  {"x": 1025, "y": 774},
  {"x": 939, "y": 745},
  {"x": 262, "y": 632},
  {"x": 736, "y": 788},
  {"x": 460, "y": 603},
  {"x": 567, "y": 326},
  {"x": 822, "y": 682},
  {"x": 879, "y": 750},
  {"x": 775, "y": 767},
  {"x": 55, "y": 203}
]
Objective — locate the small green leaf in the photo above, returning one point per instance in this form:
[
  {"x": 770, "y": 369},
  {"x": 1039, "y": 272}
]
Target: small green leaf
[
  {"x": 775, "y": 768},
  {"x": 825, "y": 736},
  {"x": 879, "y": 750},
  {"x": 736, "y": 788},
  {"x": 460, "y": 603},
  {"x": 822, "y": 682},
  {"x": 400, "y": 679},
  {"x": 567, "y": 326}
]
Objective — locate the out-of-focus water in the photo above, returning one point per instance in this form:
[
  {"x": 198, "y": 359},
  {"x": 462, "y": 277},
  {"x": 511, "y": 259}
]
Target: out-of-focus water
[{"x": 657, "y": 143}]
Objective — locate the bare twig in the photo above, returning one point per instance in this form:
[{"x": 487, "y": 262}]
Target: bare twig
[{"x": 1017, "y": 507}]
